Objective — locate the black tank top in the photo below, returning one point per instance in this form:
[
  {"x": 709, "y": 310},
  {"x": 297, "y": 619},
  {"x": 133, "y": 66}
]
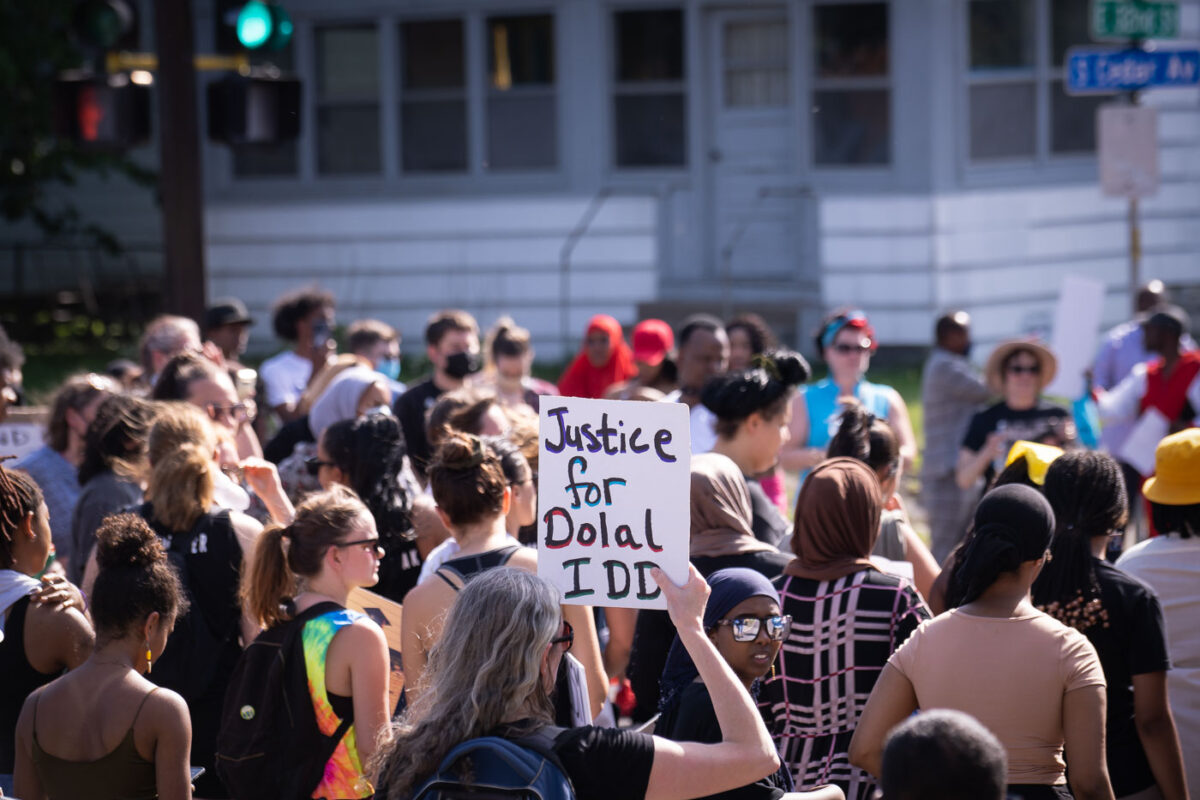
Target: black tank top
[
  {"x": 19, "y": 681},
  {"x": 464, "y": 567}
]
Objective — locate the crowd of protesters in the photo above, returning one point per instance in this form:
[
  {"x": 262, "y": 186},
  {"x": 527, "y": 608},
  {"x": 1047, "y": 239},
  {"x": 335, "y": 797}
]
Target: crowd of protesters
[{"x": 1042, "y": 642}]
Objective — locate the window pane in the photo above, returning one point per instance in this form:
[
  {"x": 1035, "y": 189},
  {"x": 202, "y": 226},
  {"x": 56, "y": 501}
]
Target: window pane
[
  {"x": 1072, "y": 121},
  {"x": 852, "y": 127},
  {"x": 1068, "y": 27},
  {"x": 260, "y": 160},
  {"x": 650, "y": 130},
  {"x": 756, "y": 88},
  {"x": 433, "y": 135},
  {"x": 522, "y": 132},
  {"x": 521, "y": 51},
  {"x": 433, "y": 54},
  {"x": 348, "y": 140},
  {"x": 1002, "y": 121},
  {"x": 649, "y": 45},
  {"x": 851, "y": 39},
  {"x": 347, "y": 63},
  {"x": 1002, "y": 34}
]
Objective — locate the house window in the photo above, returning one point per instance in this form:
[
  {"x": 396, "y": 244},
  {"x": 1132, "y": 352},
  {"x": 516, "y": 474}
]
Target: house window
[
  {"x": 522, "y": 110},
  {"x": 755, "y": 64},
  {"x": 649, "y": 97},
  {"x": 1017, "y": 107},
  {"x": 347, "y": 123},
  {"x": 852, "y": 98},
  {"x": 433, "y": 108}
]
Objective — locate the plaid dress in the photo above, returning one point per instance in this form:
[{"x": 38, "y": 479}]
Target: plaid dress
[{"x": 843, "y": 632}]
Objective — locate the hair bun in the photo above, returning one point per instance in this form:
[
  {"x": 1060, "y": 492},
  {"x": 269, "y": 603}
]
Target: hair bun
[
  {"x": 125, "y": 540},
  {"x": 793, "y": 368},
  {"x": 460, "y": 452}
]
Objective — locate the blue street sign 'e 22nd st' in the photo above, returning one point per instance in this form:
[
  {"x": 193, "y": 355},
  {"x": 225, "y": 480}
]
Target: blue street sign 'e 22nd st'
[{"x": 1097, "y": 70}]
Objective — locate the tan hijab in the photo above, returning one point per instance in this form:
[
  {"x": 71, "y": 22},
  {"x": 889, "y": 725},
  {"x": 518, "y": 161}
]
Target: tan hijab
[
  {"x": 721, "y": 515},
  {"x": 837, "y": 520}
]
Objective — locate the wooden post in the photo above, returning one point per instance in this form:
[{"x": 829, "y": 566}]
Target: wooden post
[{"x": 180, "y": 181}]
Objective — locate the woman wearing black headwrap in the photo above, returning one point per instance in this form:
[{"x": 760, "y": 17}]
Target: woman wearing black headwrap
[
  {"x": 743, "y": 620},
  {"x": 1032, "y": 681}
]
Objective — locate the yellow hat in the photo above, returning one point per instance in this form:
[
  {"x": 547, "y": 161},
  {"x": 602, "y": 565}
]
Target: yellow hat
[
  {"x": 1176, "y": 480},
  {"x": 1037, "y": 458}
]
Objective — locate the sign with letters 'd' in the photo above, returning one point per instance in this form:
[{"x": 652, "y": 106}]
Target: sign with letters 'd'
[{"x": 614, "y": 483}]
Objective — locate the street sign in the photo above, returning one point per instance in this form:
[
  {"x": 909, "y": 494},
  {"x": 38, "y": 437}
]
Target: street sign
[
  {"x": 1092, "y": 70},
  {"x": 1134, "y": 19},
  {"x": 1127, "y": 149}
]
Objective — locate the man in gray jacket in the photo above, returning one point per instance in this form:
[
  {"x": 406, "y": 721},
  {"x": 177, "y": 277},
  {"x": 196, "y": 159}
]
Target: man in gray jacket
[{"x": 951, "y": 391}]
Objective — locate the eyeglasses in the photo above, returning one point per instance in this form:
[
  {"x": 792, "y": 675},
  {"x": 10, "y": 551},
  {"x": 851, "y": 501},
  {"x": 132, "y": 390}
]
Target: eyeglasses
[
  {"x": 1018, "y": 369},
  {"x": 850, "y": 349},
  {"x": 238, "y": 412},
  {"x": 314, "y": 464},
  {"x": 567, "y": 638},
  {"x": 369, "y": 545},
  {"x": 746, "y": 629}
]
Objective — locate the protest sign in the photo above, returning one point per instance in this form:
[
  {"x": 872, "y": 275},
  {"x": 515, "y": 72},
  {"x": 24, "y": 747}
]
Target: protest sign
[
  {"x": 1073, "y": 339},
  {"x": 22, "y": 431},
  {"x": 614, "y": 479},
  {"x": 386, "y": 613}
]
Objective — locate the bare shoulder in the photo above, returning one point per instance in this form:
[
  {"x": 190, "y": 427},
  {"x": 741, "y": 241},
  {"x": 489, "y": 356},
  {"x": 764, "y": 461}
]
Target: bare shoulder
[
  {"x": 427, "y": 597},
  {"x": 365, "y": 632},
  {"x": 525, "y": 558},
  {"x": 166, "y": 706}
]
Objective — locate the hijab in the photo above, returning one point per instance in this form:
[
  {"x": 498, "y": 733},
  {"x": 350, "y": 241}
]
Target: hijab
[
  {"x": 583, "y": 379},
  {"x": 837, "y": 520},
  {"x": 730, "y": 587},
  {"x": 721, "y": 512},
  {"x": 340, "y": 399}
]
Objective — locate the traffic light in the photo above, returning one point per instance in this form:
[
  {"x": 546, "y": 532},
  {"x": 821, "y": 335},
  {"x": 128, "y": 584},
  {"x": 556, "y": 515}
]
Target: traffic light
[
  {"x": 263, "y": 26},
  {"x": 107, "y": 112},
  {"x": 105, "y": 24},
  {"x": 253, "y": 110}
]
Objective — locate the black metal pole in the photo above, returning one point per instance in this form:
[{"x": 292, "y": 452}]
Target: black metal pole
[{"x": 180, "y": 178}]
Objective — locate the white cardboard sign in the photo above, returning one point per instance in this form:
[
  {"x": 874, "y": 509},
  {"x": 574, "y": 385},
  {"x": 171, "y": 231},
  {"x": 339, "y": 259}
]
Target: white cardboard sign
[
  {"x": 614, "y": 483},
  {"x": 1127, "y": 145},
  {"x": 1077, "y": 319}
]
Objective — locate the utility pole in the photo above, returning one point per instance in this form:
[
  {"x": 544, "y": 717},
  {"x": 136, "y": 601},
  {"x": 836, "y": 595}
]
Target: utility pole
[{"x": 180, "y": 182}]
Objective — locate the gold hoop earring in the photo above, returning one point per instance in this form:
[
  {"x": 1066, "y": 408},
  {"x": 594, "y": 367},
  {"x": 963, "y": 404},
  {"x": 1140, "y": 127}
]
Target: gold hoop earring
[{"x": 149, "y": 658}]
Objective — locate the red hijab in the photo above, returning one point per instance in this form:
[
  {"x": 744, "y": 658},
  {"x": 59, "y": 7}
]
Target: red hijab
[{"x": 581, "y": 379}]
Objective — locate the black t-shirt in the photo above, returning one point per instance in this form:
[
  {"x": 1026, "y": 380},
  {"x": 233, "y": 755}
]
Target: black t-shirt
[
  {"x": 1132, "y": 643},
  {"x": 653, "y": 632},
  {"x": 1045, "y": 422},
  {"x": 284, "y": 442},
  {"x": 693, "y": 719},
  {"x": 410, "y": 410},
  {"x": 606, "y": 763},
  {"x": 767, "y": 523}
]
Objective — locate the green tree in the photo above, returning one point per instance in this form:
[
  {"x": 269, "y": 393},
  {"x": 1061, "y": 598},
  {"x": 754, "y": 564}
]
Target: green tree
[{"x": 36, "y": 45}]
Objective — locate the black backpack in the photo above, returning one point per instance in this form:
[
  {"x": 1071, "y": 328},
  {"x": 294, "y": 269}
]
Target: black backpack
[{"x": 269, "y": 746}]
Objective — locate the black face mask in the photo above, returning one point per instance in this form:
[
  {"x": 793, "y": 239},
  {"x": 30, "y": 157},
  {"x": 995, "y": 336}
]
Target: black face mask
[{"x": 460, "y": 365}]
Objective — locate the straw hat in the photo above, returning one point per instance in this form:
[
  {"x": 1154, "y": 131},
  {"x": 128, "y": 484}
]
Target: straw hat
[
  {"x": 995, "y": 378},
  {"x": 1176, "y": 480}
]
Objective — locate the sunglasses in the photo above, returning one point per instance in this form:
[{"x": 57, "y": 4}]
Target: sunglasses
[
  {"x": 314, "y": 464},
  {"x": 850, "y": 349},
  {"x": 746, "y": 629},
  {"x": 369, "y": 545},
  {"x": 1017, "y": 369},
  {"x": 238, "y": 412},
  {"x": 567, "y": 638}
]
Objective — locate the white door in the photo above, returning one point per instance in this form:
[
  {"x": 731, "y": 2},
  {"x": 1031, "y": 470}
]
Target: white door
[{"x": 755, "y": 200}]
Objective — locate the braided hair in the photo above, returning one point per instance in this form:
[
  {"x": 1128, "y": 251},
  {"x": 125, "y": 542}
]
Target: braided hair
[
  {"x": 19, "y": 497},
  {"x": 370, "y": 451},
  {"x": 1087, "y": 492}
]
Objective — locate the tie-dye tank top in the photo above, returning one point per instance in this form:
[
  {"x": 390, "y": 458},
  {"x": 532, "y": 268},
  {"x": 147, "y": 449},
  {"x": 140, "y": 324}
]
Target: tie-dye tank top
[{"x": 344, "y": 778}]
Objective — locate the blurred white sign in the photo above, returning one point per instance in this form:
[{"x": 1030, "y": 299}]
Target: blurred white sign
[
  {"x": 1127, "y": 141},
  {"x": 1073, "y": 338}
]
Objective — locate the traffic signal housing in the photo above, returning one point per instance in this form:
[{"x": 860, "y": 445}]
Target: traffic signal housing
[
  {"x": 263, "y": 26},
  {"x": 247, "y": 109},
  {"x": 103, "y": 112}
]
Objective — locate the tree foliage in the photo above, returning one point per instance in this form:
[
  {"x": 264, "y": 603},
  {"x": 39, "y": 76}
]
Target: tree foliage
[{"x": 36, "y": 45}]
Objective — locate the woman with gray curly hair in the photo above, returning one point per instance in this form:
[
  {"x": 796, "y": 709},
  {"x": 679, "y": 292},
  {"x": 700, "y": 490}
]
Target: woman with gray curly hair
[{"x": 492, "y": 671}]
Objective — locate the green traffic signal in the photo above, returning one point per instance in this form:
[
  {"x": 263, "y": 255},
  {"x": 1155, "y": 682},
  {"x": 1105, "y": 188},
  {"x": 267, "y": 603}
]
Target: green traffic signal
[{"x": 263, "y": 25}]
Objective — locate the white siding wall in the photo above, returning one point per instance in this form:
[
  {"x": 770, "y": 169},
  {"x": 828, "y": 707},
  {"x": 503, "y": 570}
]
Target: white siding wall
[
  {"x": 1002, "y": 253},
  {"x": 400, "y": 261}
]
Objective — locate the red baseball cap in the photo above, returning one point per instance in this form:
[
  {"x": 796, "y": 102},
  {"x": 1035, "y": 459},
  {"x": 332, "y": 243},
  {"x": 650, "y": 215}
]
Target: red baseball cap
[{"x": 652, "y": 340}]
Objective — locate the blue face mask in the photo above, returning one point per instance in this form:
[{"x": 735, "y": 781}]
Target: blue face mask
[
  {"x": 387, "y": 412},
  {"x": 389, "y": 367}
]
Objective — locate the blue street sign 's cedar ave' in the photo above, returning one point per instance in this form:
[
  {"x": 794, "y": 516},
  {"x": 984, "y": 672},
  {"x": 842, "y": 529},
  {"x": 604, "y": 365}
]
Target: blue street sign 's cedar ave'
[{"x": 1094, "y": 70}]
